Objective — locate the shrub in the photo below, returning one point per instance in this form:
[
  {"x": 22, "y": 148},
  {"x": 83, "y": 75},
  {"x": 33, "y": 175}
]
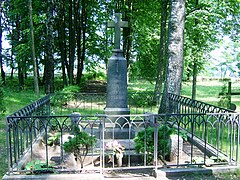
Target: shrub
[
  {"x": 53, "y": 139},
  {"x": 164, "y": 133},
  {"x": 79, "y": 145},
  {"x": 62, "y": 97},
  {"x": 142, "y": 99},
  {"x": 163, "y": 142},
  {"x": 224, "y": 98},
  {"x": 38, "y": 167}
]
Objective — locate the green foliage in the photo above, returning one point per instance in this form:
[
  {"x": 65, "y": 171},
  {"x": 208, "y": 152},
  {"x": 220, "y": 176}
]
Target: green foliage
[
  {"x": 147, "y": 135},
  {"x": 94, "y": 76},
  {"x": 38, "y": 167},
  {"x": 212, "y": 160},
  {"x": 67, "y": 94},
  {"x": 71, "y": 89},
  {"x": 53, "y": 139},
  {"x": 220, "y": 158},
  {"x": 79, "y": 145},
  {"x": 143, "y": 99},
  {"x": 224, "y": 98}
]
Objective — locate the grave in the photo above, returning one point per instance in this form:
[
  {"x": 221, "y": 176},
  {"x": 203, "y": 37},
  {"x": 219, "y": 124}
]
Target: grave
[{"x": 117, "y": 94}]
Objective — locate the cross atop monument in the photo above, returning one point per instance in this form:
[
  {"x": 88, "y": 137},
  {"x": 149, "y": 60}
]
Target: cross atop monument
[{"x": 117, "y": 24}]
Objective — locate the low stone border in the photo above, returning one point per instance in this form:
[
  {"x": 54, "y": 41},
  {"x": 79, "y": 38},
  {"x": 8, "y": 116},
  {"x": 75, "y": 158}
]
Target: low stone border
[
  {"x": 88, "y": 176},
  {"x": 178, "y": 172}
]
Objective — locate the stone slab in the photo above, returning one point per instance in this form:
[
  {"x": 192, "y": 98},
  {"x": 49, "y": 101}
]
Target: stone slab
[
  {"x": 88, "y": 176},
  {"x": 112, "y": 133},
  {"x": 178, "y": 172}
]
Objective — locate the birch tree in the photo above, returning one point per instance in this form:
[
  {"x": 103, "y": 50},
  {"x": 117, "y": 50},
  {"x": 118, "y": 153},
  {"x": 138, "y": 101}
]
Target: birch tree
[
  {"x": 36, "y": 87},
  {"x": 174, "y": 70}
]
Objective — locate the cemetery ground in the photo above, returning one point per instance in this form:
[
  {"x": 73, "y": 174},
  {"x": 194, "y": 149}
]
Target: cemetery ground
[{"x": 206, "y": 92}]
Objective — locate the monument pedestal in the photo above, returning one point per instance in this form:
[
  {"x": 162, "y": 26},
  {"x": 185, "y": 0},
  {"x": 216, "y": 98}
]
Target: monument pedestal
[
  {"x": 117, "y": 98},
  {"x": 117, "y": 124},
  {"x": 116, "y": 115}
]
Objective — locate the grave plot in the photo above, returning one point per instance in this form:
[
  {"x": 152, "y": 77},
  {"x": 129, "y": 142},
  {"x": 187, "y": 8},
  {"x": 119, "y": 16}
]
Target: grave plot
[
  {"x": 143, "y": 141},
  {"x": 194, "y": 134}
]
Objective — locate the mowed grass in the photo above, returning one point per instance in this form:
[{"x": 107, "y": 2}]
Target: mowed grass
[
  {"x": 207, "y": 91},
  {"x": 15, "y": 100}
]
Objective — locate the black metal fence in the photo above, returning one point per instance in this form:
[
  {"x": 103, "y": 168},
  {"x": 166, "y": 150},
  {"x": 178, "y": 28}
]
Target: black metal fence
[
  {"x": 149, "y": 140},
  {"x": 195, "y": 134},
  {"x": 94, "y": 103},
  {"x": 181, "y": 104},
  {"x": 39, "y": 107}
]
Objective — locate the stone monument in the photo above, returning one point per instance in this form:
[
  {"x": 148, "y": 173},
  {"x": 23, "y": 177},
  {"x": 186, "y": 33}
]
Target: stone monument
[{"x": 117, "y": 94}]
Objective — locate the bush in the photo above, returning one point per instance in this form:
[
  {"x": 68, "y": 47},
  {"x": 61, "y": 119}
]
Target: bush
[
  {"x": 224, "y": 98},
  {"x": 142, "y": 99},
  {"x": 62, "y": 97},
  {"x": 163, "y": 142},
  {"x": 94, "y": 76},
  {"x": 79, "y": 145},
  {"x": 38, "y": 167}
]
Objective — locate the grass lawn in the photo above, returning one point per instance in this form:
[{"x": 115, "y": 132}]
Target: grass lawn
[
  {"x": 206, "y": 91},
  {"x": 14, "y": 100}
]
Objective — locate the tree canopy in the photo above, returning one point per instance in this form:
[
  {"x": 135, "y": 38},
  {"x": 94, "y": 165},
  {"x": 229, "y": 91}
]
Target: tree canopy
[{"x": 70, "y": 36}]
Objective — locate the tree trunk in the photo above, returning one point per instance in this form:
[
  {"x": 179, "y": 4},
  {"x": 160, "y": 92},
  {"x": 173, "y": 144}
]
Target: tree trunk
[
  {"x": 35, "y": 71},
  {"x": 83, "y": 49},
  {"x": 49, "y": 66},
  {"x": 71, "y": 43},
  {"x": 162, "y": 59},
  {"x": 174, "y": 53},
  {"x": 194, "y": 83},
  {"x": 62, "y": 41},
  {"x": 79, "y": 42},
  {"x": 127, "y": 37},
  {"x": 19, "y": 63},
  {"x": 84, "y": 28},
  {"x": 1, "y": 56}
]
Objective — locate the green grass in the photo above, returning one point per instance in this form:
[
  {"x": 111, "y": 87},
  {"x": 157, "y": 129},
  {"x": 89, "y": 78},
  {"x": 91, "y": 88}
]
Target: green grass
[
  {"x": 209, "y": 92},
  {"x": 14, "y": 100},
  {"x": 206, "y": 91}
]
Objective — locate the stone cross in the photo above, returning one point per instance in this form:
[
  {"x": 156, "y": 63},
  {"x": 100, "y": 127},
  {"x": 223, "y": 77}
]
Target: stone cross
[{"x": 117, "y": 24}]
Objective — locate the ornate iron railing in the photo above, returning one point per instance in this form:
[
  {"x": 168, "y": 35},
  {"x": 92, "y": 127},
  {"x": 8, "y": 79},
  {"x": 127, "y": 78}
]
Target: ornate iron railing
[
  {"x": 94, "y": 103},
  {"x": 207, "y": 131},
  {"x": 181, "y": 104},
  {"x": 39, "y": 107},
  {"x": 205, "y": 136}
]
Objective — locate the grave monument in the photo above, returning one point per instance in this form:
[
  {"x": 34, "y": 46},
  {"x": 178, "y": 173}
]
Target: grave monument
[{"x": 117, "y": 94}]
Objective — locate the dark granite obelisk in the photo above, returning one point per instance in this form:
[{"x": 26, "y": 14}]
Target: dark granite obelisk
[{"x": 117, "y": 94}]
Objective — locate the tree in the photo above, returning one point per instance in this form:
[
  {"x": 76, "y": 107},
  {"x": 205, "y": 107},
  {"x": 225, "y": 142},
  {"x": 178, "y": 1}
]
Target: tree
[
  {"x": 145, "y": 31},
  {"x": 49, "y": 63},
  {"x": 62, "y": 39},
  {"x": 35, "y": 71},
  {"x": 162, "y": 53},
  {"x": 1, "y": 53},
  {"x": 174, "y": 70}
]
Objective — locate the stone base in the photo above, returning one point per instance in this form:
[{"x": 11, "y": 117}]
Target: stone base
[
  {"x": 119, "y": 133},
  {"x": 115, "y": 116},
  {"x": 112, "y": 133}
]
